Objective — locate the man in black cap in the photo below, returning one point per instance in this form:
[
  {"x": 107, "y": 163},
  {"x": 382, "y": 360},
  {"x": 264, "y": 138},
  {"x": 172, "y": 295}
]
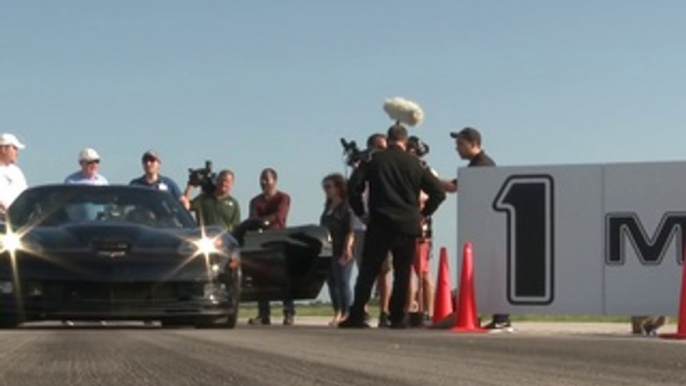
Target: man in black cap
[
  {"x": 152, "y": 178},
  {"x": 468, "y": 146},
  {"x": 394, "y": 179}
]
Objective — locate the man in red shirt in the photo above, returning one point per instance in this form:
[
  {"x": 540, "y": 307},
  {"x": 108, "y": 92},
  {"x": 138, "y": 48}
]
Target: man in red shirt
[{"x": 272, "y": 206}]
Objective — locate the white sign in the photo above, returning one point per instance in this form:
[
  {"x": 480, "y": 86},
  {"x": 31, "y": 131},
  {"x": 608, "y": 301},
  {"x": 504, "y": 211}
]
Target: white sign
[{"x": 591, "y": 239}]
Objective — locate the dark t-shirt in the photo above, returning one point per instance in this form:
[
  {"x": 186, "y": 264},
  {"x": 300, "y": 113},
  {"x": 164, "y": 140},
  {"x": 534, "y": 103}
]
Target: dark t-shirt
[
  {"x": 481, "y": 159},
  {"x": 163, "y": 183},
  {"x": 213, "y": 210},
  {"x": 338, "y": 222}
]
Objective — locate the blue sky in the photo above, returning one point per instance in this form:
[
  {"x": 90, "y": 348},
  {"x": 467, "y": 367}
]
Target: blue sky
[{"x": 250, "y": 84}]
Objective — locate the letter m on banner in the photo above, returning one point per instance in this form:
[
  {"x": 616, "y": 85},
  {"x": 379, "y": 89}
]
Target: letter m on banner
[{"x": 650, "y": 249}]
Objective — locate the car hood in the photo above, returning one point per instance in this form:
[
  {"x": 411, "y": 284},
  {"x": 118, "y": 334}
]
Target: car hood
[
  {"x": 87, "y": 235},
  {"x": 109, "y": 252}
]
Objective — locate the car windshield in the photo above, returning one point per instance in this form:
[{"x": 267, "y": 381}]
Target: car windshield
[{"x": 64, "y": 204}]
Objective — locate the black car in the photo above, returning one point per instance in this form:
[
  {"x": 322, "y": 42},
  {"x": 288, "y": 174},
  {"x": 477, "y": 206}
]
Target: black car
[{"x": 76, "y": 252}]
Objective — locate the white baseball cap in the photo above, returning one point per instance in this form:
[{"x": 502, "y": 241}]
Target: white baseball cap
[
  {"x": 7, "y": 139},
  {"x": 88, "y": 155}
]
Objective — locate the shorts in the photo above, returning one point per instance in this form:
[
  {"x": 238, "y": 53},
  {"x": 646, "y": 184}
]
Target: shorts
[
  {"x": 422, "y": 255},
  {"x": 358, "y": 246}
]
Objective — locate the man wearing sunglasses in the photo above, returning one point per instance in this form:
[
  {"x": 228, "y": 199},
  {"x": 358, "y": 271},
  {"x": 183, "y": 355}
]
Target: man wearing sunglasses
[
  {"x": 89, "y": 160},
  {"x": 12, "y": 180}
]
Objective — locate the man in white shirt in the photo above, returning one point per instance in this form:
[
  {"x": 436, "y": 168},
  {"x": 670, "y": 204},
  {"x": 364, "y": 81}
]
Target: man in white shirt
[
  {"x": 89, "y": 160},
  {"x": 12, "y": 180}
]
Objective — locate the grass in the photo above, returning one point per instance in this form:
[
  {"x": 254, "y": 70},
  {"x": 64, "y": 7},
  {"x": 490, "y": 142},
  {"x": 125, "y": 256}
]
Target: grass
[{"x": 317, "y": 309}]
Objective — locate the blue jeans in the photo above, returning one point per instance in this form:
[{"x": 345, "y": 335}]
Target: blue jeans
[
  {"x": 265, "y": 311},
  {"x": 339, "y": 286}
]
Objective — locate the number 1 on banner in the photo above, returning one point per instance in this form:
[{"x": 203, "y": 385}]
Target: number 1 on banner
[{"x": 528, "y": 202}]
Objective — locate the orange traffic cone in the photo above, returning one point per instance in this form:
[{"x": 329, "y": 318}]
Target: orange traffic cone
[
  {"x": 467, "y": 317},
  {"x": 681, "y": 328},
  {"x": 443, "y": 303}
]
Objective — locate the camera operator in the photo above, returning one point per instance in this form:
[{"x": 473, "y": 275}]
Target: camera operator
[
  {"x": 394, "y": 179},
  {"x": 375, "y": 142},
  {"x": 215, "y": 206}
]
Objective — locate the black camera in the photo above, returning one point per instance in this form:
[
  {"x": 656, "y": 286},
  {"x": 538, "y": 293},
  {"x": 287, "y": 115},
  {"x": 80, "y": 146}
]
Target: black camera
[
  {"x": 353, "y": 155},
  {"x": 419, "y": 147},
  {"x": 203, "y": 177}
]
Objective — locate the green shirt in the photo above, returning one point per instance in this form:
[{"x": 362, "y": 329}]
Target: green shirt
[{"x": 213, "y": 210}]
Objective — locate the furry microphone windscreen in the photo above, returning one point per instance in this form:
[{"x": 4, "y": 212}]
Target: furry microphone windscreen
[{"x": 404, "y": 111}]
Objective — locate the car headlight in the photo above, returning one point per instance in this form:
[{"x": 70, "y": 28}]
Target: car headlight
[
  {"x": 202, "y": 246},
  {"x": 208, "y": 245},
  {"x": 10, "y": 242}
]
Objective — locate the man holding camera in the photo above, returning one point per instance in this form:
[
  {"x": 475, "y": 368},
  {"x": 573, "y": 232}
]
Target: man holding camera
[
  {"x": 375, "y": 142},
  {"x": 394, "y": 179},
  {"x": 215, "y": 206},
  {"x": 272, "y": 207},
  {"x": 152, "y": 179}
]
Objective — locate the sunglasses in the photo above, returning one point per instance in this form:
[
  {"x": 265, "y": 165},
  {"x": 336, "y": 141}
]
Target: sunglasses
[
  {"x": 328, "y": 187},
  {"x": 94, "y": 162}
]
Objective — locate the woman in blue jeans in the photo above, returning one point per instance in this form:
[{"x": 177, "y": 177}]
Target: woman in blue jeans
[{"x": 337, "y": 219}]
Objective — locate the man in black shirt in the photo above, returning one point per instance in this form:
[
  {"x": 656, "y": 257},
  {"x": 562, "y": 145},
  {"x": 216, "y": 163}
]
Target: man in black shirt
[
  {"x": 394, "y": 179},
  {"x": 468, "y": 146}
]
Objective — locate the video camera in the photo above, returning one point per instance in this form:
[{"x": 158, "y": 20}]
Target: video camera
[
  {"x": 419, "y": 147},
  {"x": 203, "y": 177},
  {"x": 352, "y": 153}
]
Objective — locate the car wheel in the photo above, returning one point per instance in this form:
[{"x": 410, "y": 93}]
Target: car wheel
[{"x": 231, "y": 321}]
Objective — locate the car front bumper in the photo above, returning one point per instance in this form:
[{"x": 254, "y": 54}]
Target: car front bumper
[{"x": 102, "y": 302}]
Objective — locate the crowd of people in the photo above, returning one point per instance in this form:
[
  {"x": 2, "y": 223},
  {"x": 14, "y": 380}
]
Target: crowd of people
[{"x": 379, "y": 219}]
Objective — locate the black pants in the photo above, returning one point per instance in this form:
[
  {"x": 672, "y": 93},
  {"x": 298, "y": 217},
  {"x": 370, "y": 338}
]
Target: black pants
[{"x": 379, "y": 240}]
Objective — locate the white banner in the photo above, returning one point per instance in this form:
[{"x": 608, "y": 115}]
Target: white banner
[{"x": 591, "y": 239}]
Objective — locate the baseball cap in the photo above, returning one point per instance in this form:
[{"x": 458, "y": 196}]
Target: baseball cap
[
  {"x": 88, "y": 155},
  {"x": 151, "y": 154},
  {"x": 468, "y": 133},
  {"x": 7, "y": 139}
]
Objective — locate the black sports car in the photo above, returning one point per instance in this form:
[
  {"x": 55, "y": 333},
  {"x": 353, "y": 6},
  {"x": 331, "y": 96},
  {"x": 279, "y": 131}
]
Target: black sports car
[{"x": 75, "y": 252}]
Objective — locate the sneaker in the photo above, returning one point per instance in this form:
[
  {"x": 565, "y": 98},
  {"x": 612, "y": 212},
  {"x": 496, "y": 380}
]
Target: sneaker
[
  {"x": 649, "y": 330},
  {"x": 68, "y": 323},
  {"x": 500, "y": 326},
  {"x": 259, "y": 320},
  {"x": 367, "y": 317},
  {"x": 384, "y": 321},
  {"x": 351, "y": 323},
  {"x": 288, "y": 320}
]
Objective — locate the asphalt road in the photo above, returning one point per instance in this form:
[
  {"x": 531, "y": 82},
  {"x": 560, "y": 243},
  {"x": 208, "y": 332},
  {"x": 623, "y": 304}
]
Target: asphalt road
[{"x": 255, "y": 356}]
